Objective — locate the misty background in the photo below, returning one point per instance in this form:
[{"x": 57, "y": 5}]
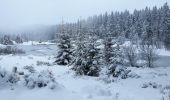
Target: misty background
[
  {"x": 21, "y": 14},
  {"x": 40, "y": 17}
]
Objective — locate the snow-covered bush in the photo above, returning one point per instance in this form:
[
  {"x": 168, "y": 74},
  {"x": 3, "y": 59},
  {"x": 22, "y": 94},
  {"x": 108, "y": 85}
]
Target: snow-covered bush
[
  {"x": 148, "y": 54},
  {"x": 39, "y": 80},
  {"x": 165, "y": 91},
  {"x": 151, "y": 85},
  {"x": 131, "y": 55},
  {"x": 11, "y": 50},
  {"x": 133, "y": 75},
  {"x": 40, "y": 63},
  {"x": 8, "y": 78},
  {"x": 30, "y": 69},
  {"x": 31, "y": 80},
  {"x": 119, "y": 72}
]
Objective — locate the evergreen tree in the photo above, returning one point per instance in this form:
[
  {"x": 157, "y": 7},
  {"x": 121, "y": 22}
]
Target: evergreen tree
[
  {"x": 167, "y": 27},
  {"x": 164, "y": 14},
  {"x": 117, "y": 68},
  {"x": 108, "y": 50},
  {"x": 87, "y": 60},
  {"x": 65, "y": 52},
  {"x": 155, "y": 26},
  {"x": 147, "y": 36}
]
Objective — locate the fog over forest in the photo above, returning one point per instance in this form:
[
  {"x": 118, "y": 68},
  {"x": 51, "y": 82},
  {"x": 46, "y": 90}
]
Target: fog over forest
[{"x": 20, "y": 14}]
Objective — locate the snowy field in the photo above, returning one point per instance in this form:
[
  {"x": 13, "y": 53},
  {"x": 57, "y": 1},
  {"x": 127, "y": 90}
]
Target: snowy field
[{"x": 144, "y": 83}]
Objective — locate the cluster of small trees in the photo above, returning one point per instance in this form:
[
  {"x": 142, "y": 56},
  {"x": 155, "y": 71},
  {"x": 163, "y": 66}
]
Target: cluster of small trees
[
  {"x": 7, "y": 40},
  {"x": 88, "y": 54}
]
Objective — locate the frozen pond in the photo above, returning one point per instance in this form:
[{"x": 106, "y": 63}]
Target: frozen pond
[
  {"x": 163, "y": 61},
  {"x": 39, "y": 50}
]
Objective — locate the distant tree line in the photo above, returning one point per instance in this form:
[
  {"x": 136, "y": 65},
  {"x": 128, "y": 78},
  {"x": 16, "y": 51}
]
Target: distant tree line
[
  {"x": 7, "y": 40},
  {"x": 146, "y": 26}
]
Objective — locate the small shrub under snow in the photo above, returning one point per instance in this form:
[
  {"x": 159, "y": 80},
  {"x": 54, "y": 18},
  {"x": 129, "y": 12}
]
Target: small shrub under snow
[
  {"x": 31, "y": 80},
  {"x": 40, "y": 63},
  {"x": 8, "y": 78},
  {"x": 11, "y": 50},
  {"x": 151, "y": 85},
  {"x": 120, "y": 72},
  {"x": 39, "y": 80},
  {"x": 165, "y": 91},
  {"x": 30, "y": 69}
]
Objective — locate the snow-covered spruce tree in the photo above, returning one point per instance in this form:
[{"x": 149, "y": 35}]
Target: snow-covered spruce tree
[
  {"x": 167, "y": 31},
  {"x": 65, "y": 49},
  {"x": 117, "y": 68},
  {"x": 92, "y": 66},
  {"x": 108, "y": 50},
  {"x": 86, "y": 55}
]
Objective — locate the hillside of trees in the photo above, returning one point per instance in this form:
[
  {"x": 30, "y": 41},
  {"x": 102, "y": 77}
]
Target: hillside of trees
[
  {"x": 146, "y": 26},
  {"x": 98, "y": 42}
]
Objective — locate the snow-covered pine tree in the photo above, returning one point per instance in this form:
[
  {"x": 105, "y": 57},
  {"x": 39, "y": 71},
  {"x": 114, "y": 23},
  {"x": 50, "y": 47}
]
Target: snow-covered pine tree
[
  {"x": 93, "y": 55},
  {"x": 79, "y": 53},
  {"x": 108, "y": 47},
  {"x": 147, "y": 36},
  {"x": 117, "y": 68},
  {"x": 167, "y": 30},
  {"x": 155, "y": 27},
  {"x": 108, "y": 50},
  {"x": 65, "y": 49},
  {"x": 87, "y": 59}
]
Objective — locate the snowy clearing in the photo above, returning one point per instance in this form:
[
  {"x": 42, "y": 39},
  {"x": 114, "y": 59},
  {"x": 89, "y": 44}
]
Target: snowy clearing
[{"x": 144, "y": 83}]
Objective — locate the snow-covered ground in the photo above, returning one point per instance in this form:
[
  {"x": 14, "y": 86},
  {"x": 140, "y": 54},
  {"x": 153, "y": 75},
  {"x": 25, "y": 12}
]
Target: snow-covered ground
[
  {"x": 36, "y": 43},
  {"x": 144, "y": 83}
]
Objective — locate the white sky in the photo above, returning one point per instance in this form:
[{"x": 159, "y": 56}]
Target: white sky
[{"x": 17, "y": 13}]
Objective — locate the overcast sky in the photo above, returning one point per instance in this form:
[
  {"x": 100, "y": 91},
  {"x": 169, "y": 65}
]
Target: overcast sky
[{"x": 17, "y": 13}]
